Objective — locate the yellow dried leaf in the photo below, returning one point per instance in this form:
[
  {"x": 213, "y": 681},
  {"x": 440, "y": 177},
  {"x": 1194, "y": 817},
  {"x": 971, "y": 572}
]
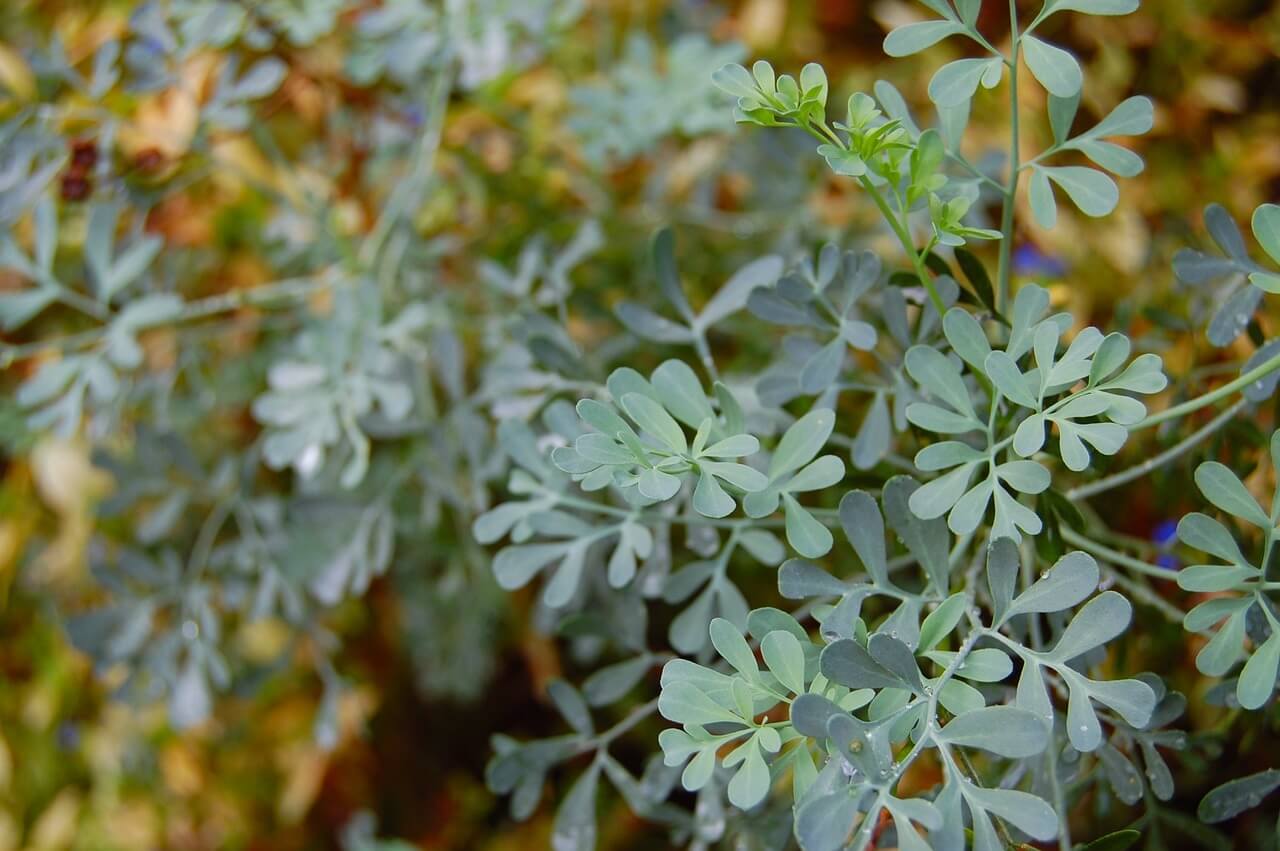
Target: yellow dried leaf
[
  {"x": 167, "y": 121},
  {"x": 10, "y": 831},
  {"x": 263, "y": 640},
  {"x": 305, "y": 768},
  {"x": 133, "y": 824},
  {"x": 65, "y": 477},
  {"x": 15, "y": 74},
  {"x": 56, "y": 826},
  {"x": 180, "y": 766},
  {"x": 762, "y": 22},
  {"x": 6, "y": 765}
]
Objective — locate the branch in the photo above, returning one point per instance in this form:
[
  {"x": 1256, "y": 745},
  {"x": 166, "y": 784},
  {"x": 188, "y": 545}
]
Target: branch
[
  {"x": 287, "y": 288},
  {"x": 1115, "y": 556},
  {"x": 1156, "y": 461},
  {"x": 1259, "y": 372}
]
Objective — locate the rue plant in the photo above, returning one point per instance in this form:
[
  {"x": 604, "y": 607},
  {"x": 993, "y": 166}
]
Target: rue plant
[{"x": 910, "y": 447}]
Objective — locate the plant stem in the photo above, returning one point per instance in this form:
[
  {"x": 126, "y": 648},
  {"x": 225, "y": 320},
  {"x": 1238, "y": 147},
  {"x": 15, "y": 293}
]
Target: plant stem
[
  {"x": 900, "y": 230},
  {"x": 1156, "y": 461},
  {"x": 408, "y": 192},
  {"x": 636, "y": 716},
  {"x": 900, "y": 227},
  {"x": 1144, "y": 593},
  {"x": 959, "y": 760},
  {"x": 1116, "y": 557},
  {"x": 88, "y": 306},
  {"x": 864, "y": 833},
  {"x": 704, "y": 354},
  {"x": 1259, "y": 372},
  {"x": 286, "y": 288},
  {"x": 1051, "y": 753},
  {"x": 1011, "y": 191},
  {"x": 828, "y": 516},
  {"x": 1059, "y": 799}
]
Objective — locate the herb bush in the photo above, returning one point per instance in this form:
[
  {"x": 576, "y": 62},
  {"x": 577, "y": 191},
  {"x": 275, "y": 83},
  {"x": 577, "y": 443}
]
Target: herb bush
[{"x": 928, "y": 455}]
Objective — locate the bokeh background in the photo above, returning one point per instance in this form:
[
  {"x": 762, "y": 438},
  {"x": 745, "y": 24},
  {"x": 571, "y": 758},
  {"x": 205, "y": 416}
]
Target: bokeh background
[{"x": 586, "y": 129}]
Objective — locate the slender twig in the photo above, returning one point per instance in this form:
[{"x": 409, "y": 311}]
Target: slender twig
[
  {"x": 1259, "y": 372},
  {"x": 959, "y": 160},
  {"x": 704, "y": 354},
  {"x": 1059, "y": 798},
  {"x": 205, "y": 538},
  {"x": 640, "y": 713},
  {"x": 1004, "y": 270},
  {"x": 1157, "y": 461},
  {"x": 828, "y": 516},
  {"x": 899, "y": 228},
  {"x": 1051, "y": 752},
  {"x": 926, "y": 739},
  {"x": 1116, "y": 557},
  {"x": 88, "y": 306},
  {"x": 408, "y": 192},
  {"x": 285, "y": 289},
  {"x": 1145, "y": 594},
  {"x": 964, "y": 765}
]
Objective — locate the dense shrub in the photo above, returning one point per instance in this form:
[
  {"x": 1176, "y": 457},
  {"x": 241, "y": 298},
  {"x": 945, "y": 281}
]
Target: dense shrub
[{"x": 365, "y": 333}]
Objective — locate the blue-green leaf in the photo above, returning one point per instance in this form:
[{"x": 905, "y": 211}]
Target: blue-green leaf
[
  {"x": 802, "y": 442},
  {"x": 1093, "y": 192},
  {"x": 806, "y": 534},
  {"x": 1004, "y": 730},
  {"x": 1266, "y": 229},
  {"x": 1221, "y": 487},
  {"x": 1092, "y": 7},
  {"x": 784, "y": 657},
  {"x": 1236, "y": 796},
  {"x": 956, "y": 82},
  {"x": 1056, "y": 69},
  {"x": 1258, "y": 678},
  {"x": 1043, "y": 206},
  {"x": 912, "y": 38}
]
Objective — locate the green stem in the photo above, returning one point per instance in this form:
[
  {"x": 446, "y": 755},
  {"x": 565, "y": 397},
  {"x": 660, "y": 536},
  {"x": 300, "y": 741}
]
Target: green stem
[
  {"x": 1259, "y": 372},
  {"x": 829, "y": 516},
  {"x": 864, "y": 833},
  {"x": 1116, "y": 557},
  {"x": 1011, "y": 191},
  {"x": 1143, "y": 593},
  {"x": 408, "y": 192},
  {"x": 704, "y": 354},
  {"x": 899, "y": 228},
  {"x": 1156, "y": 461},
  {"x": 198, "y": 558},
  {"x": 959, "y": 160},
  {"x": 88, "y": 306},
  {"x": 637, "y": 715},
  {"x": 1059, "y": 799},
  {"x": 287, "y": 288},
  {"x": 1051, "y": 753}
]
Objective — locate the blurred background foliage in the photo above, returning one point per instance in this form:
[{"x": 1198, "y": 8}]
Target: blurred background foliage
[{"x": 613, "y": 119}]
